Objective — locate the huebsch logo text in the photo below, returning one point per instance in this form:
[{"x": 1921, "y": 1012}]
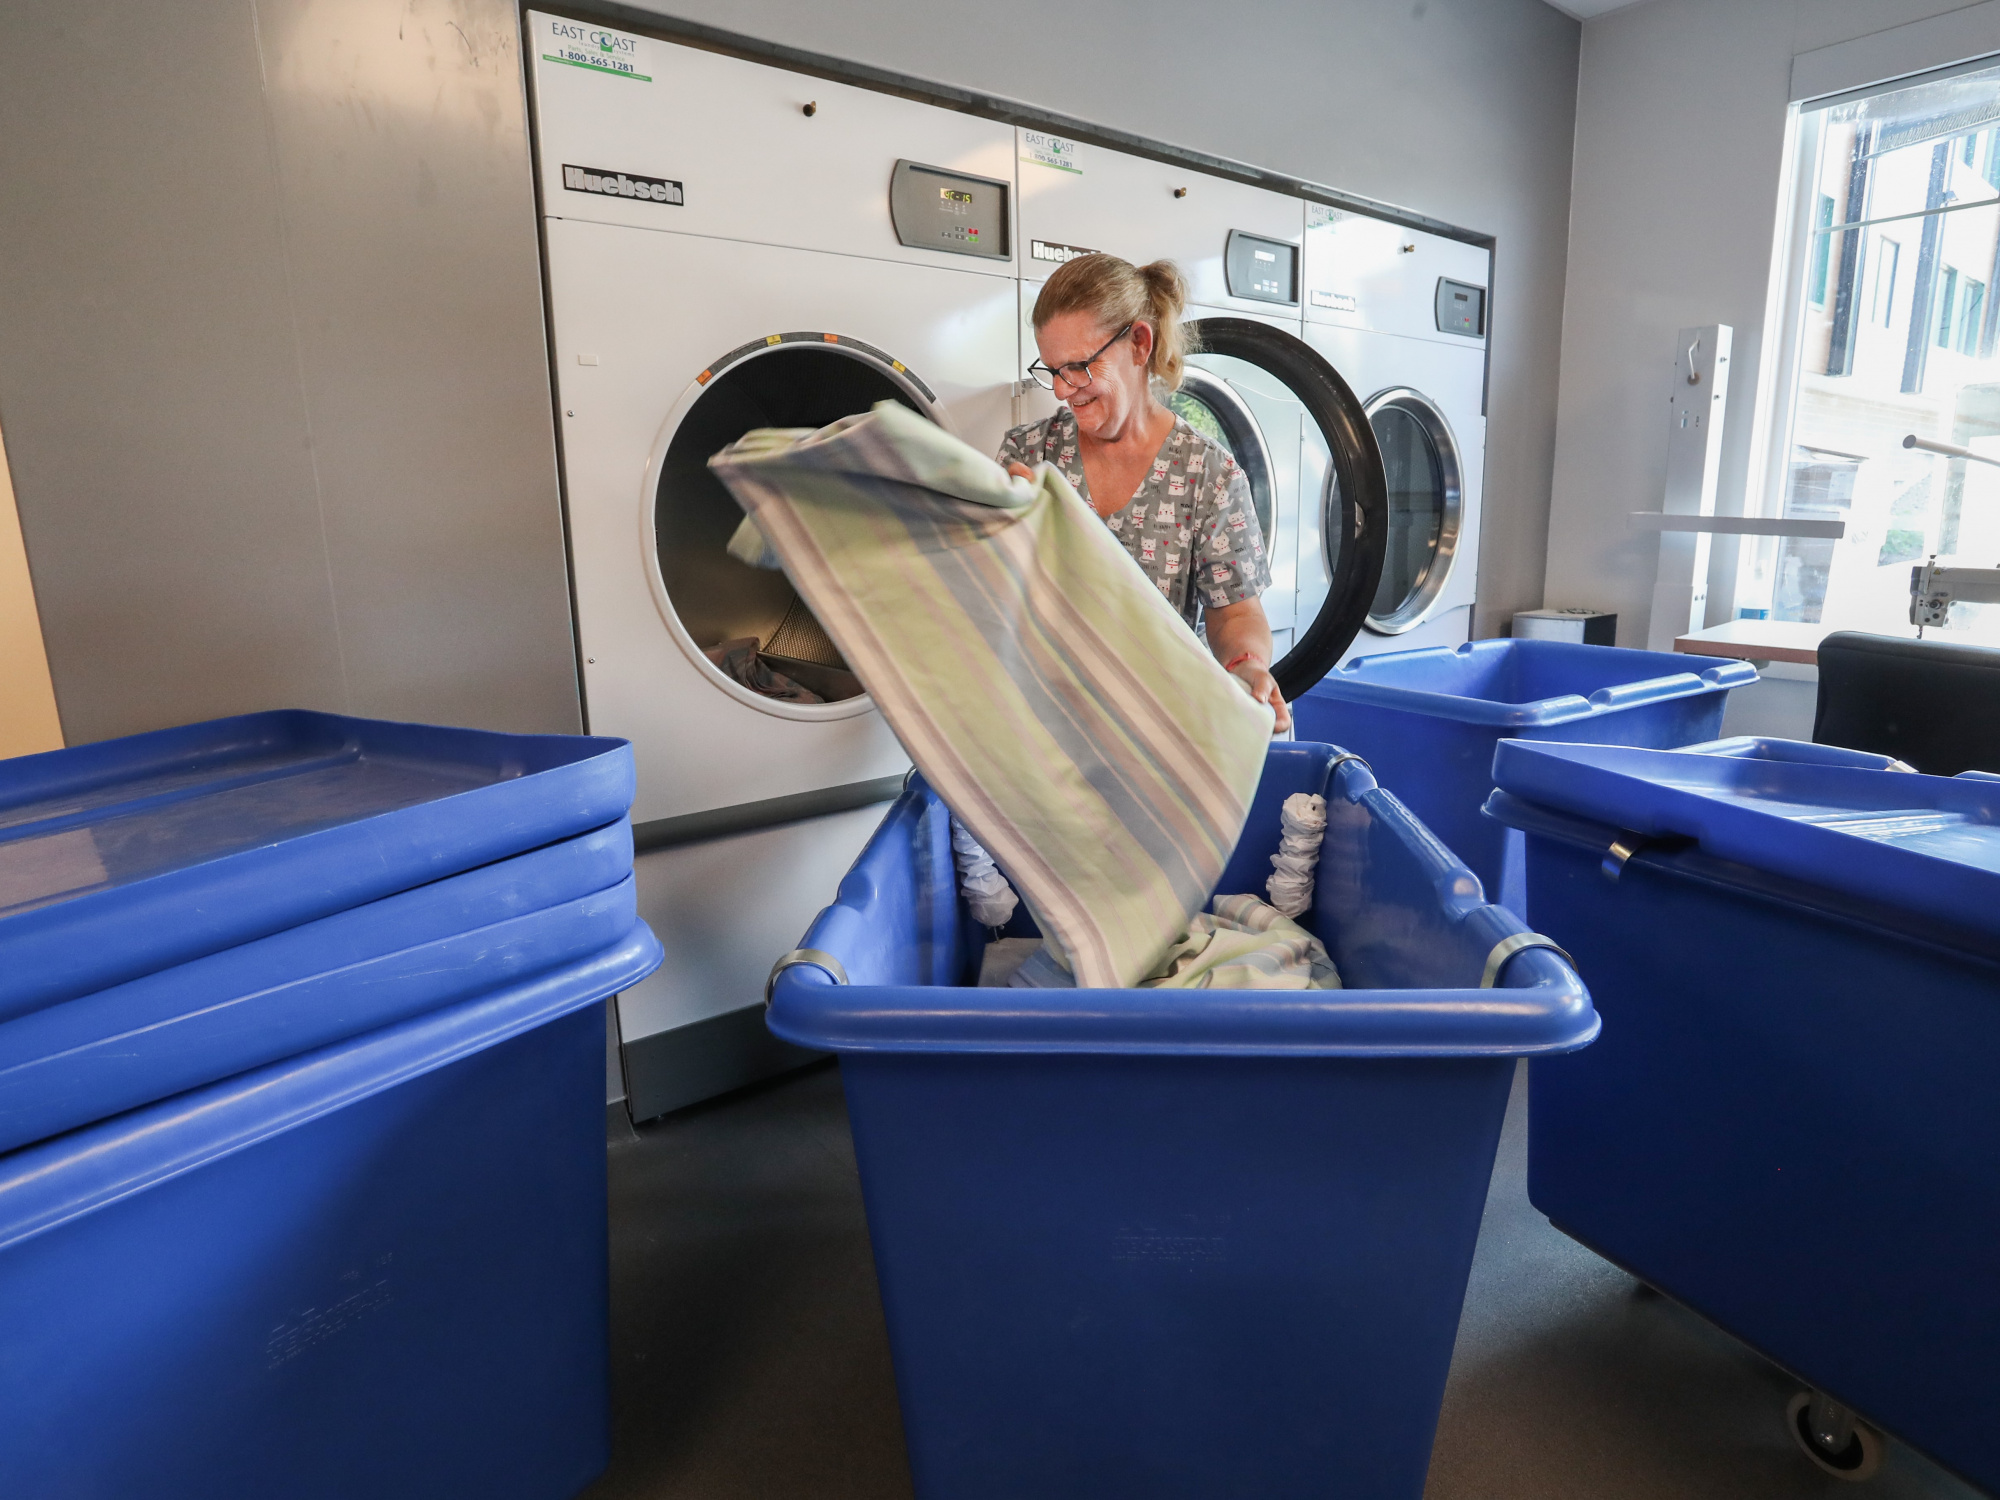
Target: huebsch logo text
[{"x": 621, "y": 184}]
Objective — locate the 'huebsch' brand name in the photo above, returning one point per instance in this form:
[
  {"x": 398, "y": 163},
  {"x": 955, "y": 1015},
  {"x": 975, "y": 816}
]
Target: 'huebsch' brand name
[
  {"x": 621, "y": 184},
  {"x": 1060, "y": 254}
]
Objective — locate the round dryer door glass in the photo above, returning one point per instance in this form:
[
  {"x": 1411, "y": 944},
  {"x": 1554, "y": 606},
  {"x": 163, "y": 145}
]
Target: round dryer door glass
[
  {"x": 1212, "y": 401},
  {"x": 749, "y": 623},
  {"x": 1421, "y": 470}
]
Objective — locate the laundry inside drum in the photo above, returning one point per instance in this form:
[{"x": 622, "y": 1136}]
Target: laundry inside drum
[{"x": 750, "y": 623}]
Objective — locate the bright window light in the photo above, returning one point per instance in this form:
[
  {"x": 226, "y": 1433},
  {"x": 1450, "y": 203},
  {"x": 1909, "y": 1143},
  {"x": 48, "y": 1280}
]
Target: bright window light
[{"x": 1893, "y": 330}]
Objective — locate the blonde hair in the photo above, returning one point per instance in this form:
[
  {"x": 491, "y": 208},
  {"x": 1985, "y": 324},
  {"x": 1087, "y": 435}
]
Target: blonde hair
[{"x": 1115, "y": 292}]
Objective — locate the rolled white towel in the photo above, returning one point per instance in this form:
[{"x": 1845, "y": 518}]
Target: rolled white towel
[
  {"x": 1303, "y": 824},
  {"x": 986, "y": 892}
]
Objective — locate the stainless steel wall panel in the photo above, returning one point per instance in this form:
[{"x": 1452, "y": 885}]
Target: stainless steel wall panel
[
  {"x": 402, "y": 150},
  {"x": 272, "y": 365},
  {"x": 148, "y": 375}
]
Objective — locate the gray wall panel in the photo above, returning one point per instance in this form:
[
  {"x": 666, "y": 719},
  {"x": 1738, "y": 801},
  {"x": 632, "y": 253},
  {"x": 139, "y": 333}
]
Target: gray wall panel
[
  {"x": 272, "y": 365},
  {"x": 148, "y": 378},
  {"x": 1658, "y": 245}
]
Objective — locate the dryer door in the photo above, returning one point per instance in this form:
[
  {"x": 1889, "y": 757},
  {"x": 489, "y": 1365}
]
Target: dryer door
[
  {"x": 746, "y": 627},
  {"x": 1304, "y": 442},
  {"x": 1420, "y": 461}
]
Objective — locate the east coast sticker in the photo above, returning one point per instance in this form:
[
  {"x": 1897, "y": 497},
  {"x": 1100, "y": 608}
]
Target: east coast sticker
[
  {"x": 1051, "y": 151},
  {"x": 596, "y": 49}
]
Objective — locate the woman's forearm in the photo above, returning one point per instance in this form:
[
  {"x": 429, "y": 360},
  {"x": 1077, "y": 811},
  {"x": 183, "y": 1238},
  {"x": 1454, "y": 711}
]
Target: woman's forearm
[
  {"x": 1238, "y": 629},
  {"x": 1240, "y": 637}
]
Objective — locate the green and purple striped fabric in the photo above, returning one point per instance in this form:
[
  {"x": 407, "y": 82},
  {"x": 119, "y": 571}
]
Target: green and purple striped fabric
[{"x": 1042, "y": 685}]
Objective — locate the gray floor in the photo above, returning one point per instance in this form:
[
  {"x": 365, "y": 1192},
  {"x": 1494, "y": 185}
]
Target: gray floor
[{"x": 749, "y": 1358}]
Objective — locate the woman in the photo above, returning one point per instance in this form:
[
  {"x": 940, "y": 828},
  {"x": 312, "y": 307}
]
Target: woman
[{"x": 1107, "y": 331}]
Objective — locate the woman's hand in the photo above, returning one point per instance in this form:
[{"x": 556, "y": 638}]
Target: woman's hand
[
  {"x": 1240, "y": 636},
  {"x": 1020, "y": 471},
  {"x": 1264, "y": 688}
]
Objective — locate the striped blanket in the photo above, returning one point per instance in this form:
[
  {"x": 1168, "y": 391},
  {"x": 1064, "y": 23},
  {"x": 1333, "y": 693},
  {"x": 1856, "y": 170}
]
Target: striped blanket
[{"x": 1042, "y": 685}]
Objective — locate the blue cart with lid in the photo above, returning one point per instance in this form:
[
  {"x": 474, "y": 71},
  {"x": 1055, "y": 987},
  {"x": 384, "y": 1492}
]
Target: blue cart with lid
[
  {"x": 1179, "y": 1242},
  {"x": 301, "y": 1063},
  {"x": 1428, "y": 721},
  {"x": 1790, "y": 1124}
]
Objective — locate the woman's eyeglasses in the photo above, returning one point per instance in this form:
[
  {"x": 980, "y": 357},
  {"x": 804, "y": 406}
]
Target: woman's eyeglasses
[{"x": 1075, "y": 375}]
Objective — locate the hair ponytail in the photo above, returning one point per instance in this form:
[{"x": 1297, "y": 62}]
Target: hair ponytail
[
  {"x": 1115, "y": 292},
  {"x": 1166, "y": 304}
]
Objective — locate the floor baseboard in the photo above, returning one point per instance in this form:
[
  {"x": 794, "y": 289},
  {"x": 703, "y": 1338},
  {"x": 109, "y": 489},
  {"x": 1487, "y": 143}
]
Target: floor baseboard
[{"x": 670, "y": 1070}]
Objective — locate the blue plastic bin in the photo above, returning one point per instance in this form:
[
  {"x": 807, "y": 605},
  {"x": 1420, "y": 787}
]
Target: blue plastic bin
[
  {"x": 121, "y": 858},
  {"x": 1427, "y": 721},
  {"x": 1790, "y": 1124},
  {"x": 1172, "y": 1243},
  {"x": 377, "y": 1269},
  {"x": 301, "y": 1109}
]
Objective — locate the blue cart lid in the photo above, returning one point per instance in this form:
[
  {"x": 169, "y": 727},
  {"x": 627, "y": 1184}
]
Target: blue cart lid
[
  {"x": 1925, "y": 845},
  {"x": 120, "y": 858},
  {"x": 85, "y": 1059},
  {"x": 1526, "y": 684}
]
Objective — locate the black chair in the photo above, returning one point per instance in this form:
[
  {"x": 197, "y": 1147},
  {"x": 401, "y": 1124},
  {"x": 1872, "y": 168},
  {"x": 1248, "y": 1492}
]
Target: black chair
[{"x": 1932, "y": 704}]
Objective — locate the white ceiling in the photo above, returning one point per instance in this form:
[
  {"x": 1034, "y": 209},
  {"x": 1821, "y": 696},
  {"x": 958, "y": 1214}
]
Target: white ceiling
[{"x": 1583, "y": 10}]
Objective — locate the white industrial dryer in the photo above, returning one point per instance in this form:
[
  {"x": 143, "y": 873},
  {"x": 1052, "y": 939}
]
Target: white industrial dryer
[
  {"x": 1402, "y": 314},
  {"x": 730, "y": 246}
]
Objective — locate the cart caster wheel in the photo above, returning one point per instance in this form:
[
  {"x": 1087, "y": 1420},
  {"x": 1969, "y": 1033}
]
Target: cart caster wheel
[{"x": 1856, "y": 1458}]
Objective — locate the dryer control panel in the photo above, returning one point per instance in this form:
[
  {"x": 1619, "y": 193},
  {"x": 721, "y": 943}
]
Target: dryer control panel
[
  {"x": 1260, "y": 269},
  {"x": 1461, "y": 308},
  {"x": 936, "y": 209}
]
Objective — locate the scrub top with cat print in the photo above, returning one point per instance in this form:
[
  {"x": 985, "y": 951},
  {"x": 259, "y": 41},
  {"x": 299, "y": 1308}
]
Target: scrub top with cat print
[{"x": 1190, "y": 525}]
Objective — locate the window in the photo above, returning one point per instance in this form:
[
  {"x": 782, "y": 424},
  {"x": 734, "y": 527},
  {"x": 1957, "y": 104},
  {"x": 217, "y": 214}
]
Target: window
[
  {"x": 1882, "y": 306},
  {"x": 1890, "y": 331},
  {"x": 1822, "y": 251}
]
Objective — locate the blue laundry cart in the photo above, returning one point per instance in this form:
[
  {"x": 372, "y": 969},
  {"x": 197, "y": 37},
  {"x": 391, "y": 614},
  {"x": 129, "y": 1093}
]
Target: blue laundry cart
[
  {"x": 301, "y": 1109},
  {"x": 1790, "y": 1124},
  {"x": 1427, "y": 721},
  {"x": 1179, "y": 1243}
]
